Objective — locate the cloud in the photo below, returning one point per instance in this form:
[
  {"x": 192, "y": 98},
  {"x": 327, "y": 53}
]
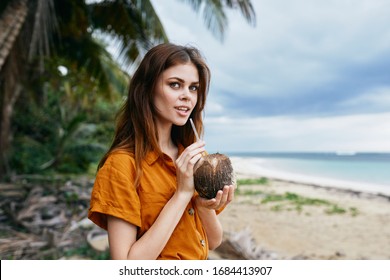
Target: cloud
[
  {"x": 311, "y": 75},
  {"x": 340, "y": 133},
  {"x": 376, "y": 99}
]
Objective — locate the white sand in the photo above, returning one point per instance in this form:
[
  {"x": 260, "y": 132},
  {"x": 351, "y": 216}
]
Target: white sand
[{"x": 362, "y": 232}]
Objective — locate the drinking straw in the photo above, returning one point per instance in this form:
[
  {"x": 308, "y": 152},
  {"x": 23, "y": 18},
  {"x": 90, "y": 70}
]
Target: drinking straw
[
  {"x": 196, "y": 135},
  {"x": 194, "y": 129}
]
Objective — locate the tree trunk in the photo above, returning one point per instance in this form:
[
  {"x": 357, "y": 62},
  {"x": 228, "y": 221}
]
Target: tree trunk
[
  {"x": 10, "y": 89},
  {"x": 11, "y": 22}
]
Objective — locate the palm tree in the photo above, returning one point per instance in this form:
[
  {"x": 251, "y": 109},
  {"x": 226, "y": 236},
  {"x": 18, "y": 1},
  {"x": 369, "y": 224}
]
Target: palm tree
[{"x": 32, "y": 30}]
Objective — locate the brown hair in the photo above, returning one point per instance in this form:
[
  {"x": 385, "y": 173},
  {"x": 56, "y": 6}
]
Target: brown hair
[{"x": 136, "y": 129}]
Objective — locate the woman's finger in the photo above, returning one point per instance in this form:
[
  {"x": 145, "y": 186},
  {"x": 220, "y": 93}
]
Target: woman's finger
[
  {"x": 191, "y": 151},
  {"x": 230, "y": 194}
]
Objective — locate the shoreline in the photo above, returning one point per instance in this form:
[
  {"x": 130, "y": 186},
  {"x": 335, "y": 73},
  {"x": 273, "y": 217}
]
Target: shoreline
[
  {"x": 247, "y": 168},
  {"x": 348, "y": 223}
]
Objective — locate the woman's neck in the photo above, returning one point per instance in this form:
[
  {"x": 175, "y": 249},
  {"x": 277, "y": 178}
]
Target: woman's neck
[{"x": 165, "y": 142}]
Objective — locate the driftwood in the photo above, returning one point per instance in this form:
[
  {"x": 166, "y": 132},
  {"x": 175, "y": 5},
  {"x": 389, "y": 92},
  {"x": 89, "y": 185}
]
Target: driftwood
[
  {"x": 43, "y": 220},
  {"x": 242, "y": 246}
]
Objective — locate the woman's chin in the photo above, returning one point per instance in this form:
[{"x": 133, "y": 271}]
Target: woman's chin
[{"x": 181, "y": 122}]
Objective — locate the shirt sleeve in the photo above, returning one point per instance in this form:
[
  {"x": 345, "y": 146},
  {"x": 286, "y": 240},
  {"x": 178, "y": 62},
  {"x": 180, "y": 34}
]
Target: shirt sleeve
[{"x": 114, "y": 192}]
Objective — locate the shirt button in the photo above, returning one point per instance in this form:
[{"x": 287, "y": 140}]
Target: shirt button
[
  {"x": 191, "y": 211},
  {"x": 203, "y": 242}
]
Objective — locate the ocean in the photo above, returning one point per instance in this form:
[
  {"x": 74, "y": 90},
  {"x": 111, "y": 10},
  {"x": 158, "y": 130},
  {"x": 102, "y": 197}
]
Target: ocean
[{"x": 370, "y": 168}]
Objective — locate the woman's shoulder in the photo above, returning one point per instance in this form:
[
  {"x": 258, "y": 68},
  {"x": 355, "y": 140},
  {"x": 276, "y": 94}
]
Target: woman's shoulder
[{"x": 120, "y": 160}]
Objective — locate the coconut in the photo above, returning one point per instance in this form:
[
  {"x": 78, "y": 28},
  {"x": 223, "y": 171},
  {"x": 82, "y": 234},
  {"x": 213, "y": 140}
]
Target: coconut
[{"x": 211, "y": 173}]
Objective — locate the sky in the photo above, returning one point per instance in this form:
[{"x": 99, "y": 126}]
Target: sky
[{"x": 310, "y": 76}]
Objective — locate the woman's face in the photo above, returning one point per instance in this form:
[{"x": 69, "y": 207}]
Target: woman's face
[{"x": 176, "y": 94}]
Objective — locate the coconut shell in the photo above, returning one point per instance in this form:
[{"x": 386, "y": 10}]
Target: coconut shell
[{"x": 211, "y": 173}]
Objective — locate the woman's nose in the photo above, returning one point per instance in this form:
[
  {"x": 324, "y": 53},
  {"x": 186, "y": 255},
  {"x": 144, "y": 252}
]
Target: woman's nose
[{"x": 185, "y": 94}]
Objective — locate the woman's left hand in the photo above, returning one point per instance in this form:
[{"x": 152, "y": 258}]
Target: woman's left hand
[{"x": 223, "y": 198}]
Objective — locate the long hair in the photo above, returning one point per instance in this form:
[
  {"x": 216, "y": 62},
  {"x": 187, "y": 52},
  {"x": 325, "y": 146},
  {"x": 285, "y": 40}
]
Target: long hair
[{"x": 136, "y": 130}]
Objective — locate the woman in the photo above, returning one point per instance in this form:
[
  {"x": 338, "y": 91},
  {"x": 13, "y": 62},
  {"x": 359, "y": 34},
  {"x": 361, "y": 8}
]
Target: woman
[{"x": 144, "y": 191}]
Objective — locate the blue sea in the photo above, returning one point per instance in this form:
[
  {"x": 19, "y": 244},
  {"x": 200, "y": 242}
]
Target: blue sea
[{"x": 371, "y": 168}]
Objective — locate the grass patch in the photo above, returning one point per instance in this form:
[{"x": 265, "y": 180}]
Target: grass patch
[
  {"x": 248, "y": 182},
  {"x": 294, "y": 198},
  {"x": 289, "y": 201},
  {"x": 249, "y": 192},
  {"x": 354, "y": 211},
  {"x": 254, "y": 181},
  {"x": 292, "y": 201},
  {"x": 335, "y": 209}
]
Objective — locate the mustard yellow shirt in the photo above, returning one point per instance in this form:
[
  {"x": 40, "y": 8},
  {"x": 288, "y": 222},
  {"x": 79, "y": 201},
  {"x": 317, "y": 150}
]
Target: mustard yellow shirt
[{"x": 114, "y": 194}]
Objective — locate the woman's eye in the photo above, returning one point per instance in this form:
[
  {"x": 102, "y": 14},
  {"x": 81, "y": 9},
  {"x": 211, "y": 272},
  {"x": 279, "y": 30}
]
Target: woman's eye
[
  {"x": 174, "y": 85},
  {"x": 194, "y": 88}
]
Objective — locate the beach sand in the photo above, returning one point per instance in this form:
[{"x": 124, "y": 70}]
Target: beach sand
[{"x": 309, "y": 221}]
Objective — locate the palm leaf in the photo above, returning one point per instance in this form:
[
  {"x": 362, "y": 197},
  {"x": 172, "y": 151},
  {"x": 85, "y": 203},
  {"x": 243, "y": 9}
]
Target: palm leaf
[
  {"x": 214, "y": 16},
  {"x": 45, "y": 25},
  {"x": 134, "y": 27},
  {"x": 246, "y": 9}
]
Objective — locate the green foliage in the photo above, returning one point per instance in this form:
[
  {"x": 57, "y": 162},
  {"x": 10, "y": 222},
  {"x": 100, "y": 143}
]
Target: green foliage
[
  {"x": 28, "y": 154},
  {"x": 354, "y": 211},
  {"x": 67, "y": 127},
  {"x": 87, "y": 252},
  {"x": 335, "y": 209},
  {"x": 295, "y": 198},
  {"x": 292, "y": 201},
  {"x": 248, "y": 192},
  {"x": 288, "y": 201},
  {"x": 253, "y": 181}
]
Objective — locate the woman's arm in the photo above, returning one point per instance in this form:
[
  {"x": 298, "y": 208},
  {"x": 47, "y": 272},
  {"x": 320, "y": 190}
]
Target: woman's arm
[
  {"x": 122, "y": 235},
  {"x": 206, "y": 209}
]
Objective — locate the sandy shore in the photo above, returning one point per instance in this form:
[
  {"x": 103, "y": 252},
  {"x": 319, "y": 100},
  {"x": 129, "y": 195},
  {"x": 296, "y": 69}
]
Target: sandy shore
[{"x": 345, "y": 222}]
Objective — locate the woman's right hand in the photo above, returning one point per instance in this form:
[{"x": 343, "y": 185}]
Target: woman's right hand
[{"x": 185, "y": 167}]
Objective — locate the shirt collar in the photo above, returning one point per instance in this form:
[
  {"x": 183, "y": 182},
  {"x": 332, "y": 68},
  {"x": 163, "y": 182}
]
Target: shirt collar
[{"x": 152, "y": 156}]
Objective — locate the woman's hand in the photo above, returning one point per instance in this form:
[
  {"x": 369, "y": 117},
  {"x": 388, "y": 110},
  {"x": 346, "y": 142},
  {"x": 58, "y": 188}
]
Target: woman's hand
[
  {"x": 206, "y": 209},
  {"x": 223, "y": 198},
  {"x": 185, "y": 167}
]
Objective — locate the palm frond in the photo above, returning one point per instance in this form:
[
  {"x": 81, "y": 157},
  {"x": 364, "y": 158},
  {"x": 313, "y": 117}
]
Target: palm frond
[
  {"x": 246, "y": 9},
  {"x": 119, "y": 80},
  {"x": 195, "y": 4},
  {"x": 45, "y": 25},
  {"x": 214, "y": 13},
  {"x": 215, "y": 17},
  {"x": 151, "y": 21},
  {"x": 134, "y": 28}
]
